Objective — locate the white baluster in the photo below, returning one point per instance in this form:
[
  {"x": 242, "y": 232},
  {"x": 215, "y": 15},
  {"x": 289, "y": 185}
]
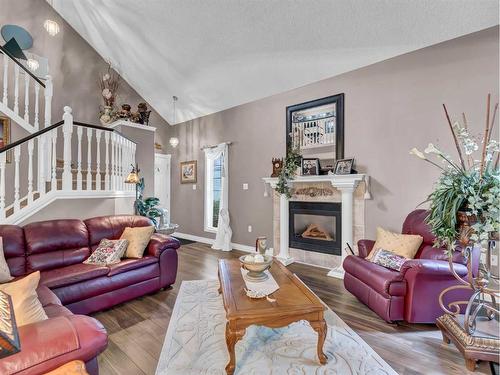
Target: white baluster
[
  {"x": 53, "y": 181},
  {"x": 41, "y": 164},
  {"x": 67, "y": 176},
  {"x": 36, "y": 124},
  {"x": 107, "y": 172},
  {"x": 98, "y": 160},
  {"x": 16, "y": 89},
  {"x": 26, "y": 97},
  {"x": 5, "y": 99},
  {"x": 31, "y": 144},
  {"x": 113, "y": 162},
  {"x": 2, "y": 183},
  {"x": 79, "y": 175},
  {"x": 48, "y": 100},
  {"x": 120, "y": 163},
  {"x": 89, "y": 158},
  {"x": 17, "y": 157}
]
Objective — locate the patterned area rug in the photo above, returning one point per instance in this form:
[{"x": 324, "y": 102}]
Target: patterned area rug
[{"x": 195, "y": 343}]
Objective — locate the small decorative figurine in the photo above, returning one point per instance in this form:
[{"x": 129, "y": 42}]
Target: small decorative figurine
[
  {"x": 144, "y": 113},
  {"x": 277, "y": 167},
  {"x": 125, "y": 113}
]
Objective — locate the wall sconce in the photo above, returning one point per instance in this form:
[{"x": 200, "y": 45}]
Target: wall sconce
[
  {"x": 32, "y": 64},
  {"x": 174, "y": 142},
  {"x": 52, "y": 27}
]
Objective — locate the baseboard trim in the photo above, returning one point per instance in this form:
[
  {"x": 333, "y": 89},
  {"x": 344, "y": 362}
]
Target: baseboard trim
[
  {"x": 235, "y": 246},
  {"x": 210, "y": 241}
]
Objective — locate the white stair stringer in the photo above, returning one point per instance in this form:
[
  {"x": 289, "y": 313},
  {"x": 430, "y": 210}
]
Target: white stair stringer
[
  {"x": 17, "y": 119},
  {"x": 24, "y": 213}
]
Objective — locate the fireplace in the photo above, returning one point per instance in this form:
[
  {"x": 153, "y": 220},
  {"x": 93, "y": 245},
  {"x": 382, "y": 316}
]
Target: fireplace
[{"x": 315, "y": 226}]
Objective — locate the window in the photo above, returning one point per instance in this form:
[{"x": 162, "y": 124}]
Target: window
[{"x": 213, "y": 188}]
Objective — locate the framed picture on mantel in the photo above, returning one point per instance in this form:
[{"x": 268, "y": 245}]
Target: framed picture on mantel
[{"x": 316, "y": 128}]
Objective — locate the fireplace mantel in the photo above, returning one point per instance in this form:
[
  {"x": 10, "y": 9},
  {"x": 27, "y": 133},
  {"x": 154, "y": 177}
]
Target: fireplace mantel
[
  {"x": 337, "y": 180},
  {"x": 346, "y": 184}
]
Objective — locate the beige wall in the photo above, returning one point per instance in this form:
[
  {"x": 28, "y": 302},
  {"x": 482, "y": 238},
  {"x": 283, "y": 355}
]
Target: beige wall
[
  {"x": 390, "y": 107},
  {"x": 82, "y": 209}
]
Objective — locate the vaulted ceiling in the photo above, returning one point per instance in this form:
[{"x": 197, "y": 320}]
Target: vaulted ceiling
[{"x": 216, "y": 54}]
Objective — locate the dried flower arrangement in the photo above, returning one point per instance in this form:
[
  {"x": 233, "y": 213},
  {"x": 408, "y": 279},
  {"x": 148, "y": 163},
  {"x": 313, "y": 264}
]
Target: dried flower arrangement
[{"x": 109, "y": 83}]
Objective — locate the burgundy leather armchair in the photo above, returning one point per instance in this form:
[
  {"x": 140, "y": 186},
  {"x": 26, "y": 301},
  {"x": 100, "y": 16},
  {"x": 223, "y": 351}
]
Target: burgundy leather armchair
[
  {"x": 412, "y": 293},
  {"x": 57, "y": 249}
]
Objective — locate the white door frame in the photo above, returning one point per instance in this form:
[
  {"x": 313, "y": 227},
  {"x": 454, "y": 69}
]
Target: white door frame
[{"x": 164, "y": 158}]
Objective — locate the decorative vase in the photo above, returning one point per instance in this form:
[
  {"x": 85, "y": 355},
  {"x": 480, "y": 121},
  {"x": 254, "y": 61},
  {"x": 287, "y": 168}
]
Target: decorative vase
[{"x": 106, "y": 115}]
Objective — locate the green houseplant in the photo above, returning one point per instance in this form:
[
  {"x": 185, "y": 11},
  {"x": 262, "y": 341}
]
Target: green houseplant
[
  {"x": 290, "y": 165},
  {"x": 465, "y": 209},
  {"x": 147, "y": 206}
]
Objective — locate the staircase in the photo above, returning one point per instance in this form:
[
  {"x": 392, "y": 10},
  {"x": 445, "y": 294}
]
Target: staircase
[{"x": 66, "y": 160}]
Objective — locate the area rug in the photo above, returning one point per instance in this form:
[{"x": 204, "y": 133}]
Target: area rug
[{"x": 195, "y": 343}]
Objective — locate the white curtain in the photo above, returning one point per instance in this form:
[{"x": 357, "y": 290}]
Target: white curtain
[{"x": 224, "y": 232}]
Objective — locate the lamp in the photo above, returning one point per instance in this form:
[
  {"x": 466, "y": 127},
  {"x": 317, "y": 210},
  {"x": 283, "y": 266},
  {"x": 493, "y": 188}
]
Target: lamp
[
  {"x": 133, "y": 178},
  {"x": 9, "y": 337},
  {"x": 174, "y": 141}
]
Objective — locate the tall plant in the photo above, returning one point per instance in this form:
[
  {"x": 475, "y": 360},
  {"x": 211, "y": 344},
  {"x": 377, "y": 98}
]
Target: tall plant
[
  {"x": 290, "y": 165},
  {"x": 147, "y": 206},
  {"x": 471, "y": 185}
]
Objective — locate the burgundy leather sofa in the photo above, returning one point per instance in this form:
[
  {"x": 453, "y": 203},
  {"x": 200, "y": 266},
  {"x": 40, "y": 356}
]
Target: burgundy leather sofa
[
  {"x": 412, "y": 293},
  {"x": 57, "y": 249}
]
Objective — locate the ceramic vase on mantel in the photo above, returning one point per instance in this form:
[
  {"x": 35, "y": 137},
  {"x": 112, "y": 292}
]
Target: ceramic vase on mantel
[{"x": 107, "y": 115}]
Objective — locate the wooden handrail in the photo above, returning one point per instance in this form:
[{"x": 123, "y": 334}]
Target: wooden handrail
[
  {"x": 22, "y": 66},
  {"x": 57, "y": 124}
]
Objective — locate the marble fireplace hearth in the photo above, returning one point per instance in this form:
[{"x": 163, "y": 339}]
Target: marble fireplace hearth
[{"x": 349, "y": 190}]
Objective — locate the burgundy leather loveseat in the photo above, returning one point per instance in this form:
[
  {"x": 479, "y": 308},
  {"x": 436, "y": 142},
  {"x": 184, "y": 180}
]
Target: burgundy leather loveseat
[
  {"x": 57, "y": 249},
  {"x": 412, "y": 293}
]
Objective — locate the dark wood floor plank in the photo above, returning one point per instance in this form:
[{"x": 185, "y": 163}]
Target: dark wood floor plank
[{"x": 137, "y": 328}]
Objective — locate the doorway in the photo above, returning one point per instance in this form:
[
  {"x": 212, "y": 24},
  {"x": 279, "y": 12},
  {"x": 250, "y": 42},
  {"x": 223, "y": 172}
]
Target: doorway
[{"x": 162, "y": 181}]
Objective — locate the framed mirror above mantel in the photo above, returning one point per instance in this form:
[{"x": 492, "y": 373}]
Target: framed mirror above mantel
[{"x": 316, "y": 128}]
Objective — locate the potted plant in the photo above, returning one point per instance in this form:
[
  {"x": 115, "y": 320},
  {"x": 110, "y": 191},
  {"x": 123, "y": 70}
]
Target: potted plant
[
  {"x": 465, "y": 207},
  {"x": 288, "y": 171}
]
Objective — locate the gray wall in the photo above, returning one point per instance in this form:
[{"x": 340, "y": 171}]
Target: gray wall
[
  {"x": 390, "y": 107},
  {"x": 74, "y": 65}
]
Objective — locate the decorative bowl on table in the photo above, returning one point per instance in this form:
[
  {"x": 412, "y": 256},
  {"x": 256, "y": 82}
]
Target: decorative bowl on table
[{"x": 256, "y": 265}]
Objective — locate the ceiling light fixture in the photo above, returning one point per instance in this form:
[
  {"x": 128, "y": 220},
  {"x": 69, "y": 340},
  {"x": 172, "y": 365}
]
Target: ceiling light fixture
[
  {"x": 52, "y": 27},
  {"x": 174, "y": 141}
]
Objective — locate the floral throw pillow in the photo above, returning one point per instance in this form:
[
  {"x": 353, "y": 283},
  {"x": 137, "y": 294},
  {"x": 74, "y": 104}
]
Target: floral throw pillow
[
  {"x": 108, "y": 252},
  {"x": 388, "y": 259}
]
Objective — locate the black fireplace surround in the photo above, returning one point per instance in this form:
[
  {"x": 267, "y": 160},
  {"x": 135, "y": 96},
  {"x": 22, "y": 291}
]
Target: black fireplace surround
[{"x": 328, "y": 212}]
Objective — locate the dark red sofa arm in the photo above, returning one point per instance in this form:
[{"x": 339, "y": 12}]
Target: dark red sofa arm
[
  {"x": 432, "y": 267},
  {"x": 364, "y": 247},
  {"x": 51, "y": 343},
  {"x": 161, "y": 242}
]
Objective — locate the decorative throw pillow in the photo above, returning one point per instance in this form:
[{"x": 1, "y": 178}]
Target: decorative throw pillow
[
  {"x": 27, "y": 307},
  {"x": 108, "y": 252},
  {"x": 405, "y": 245},
  {"x": 388, "y": 259},
  {"x": 4, "y": 268},
  {"x": 138, "y": 238}
]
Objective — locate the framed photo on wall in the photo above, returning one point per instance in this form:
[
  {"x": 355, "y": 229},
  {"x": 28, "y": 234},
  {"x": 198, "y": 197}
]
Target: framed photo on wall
[
  {"x": 310, "y": 167},
  {"x": 189, "y": 172},
  {"x": 344, "y": 166},
  {"x": 5, "y": 136}
]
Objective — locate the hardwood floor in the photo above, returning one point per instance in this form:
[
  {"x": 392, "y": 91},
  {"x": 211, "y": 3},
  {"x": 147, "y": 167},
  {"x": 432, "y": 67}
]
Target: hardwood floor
[{"x": 137, "y": 328}]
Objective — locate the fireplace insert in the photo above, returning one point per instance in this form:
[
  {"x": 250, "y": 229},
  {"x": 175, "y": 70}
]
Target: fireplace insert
[{"x": 315, "y": 226}]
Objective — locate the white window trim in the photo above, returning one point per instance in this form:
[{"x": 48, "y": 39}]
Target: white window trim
[{"x": 209, "y": 167}]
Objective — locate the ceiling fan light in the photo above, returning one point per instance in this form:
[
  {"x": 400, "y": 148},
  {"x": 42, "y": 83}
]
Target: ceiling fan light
[
  {"x": 52, "y": 27},
  {"x": 174, "y": 142},
  {"x": 33, "y": 64}
]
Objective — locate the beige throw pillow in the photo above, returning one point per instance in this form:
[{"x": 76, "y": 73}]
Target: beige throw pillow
[
  {"x": 27, "y": 307},
  {"x": 405, "y": 245},
  {"x": 4, "y": 268},
  {"x": 138, "y": 238}
]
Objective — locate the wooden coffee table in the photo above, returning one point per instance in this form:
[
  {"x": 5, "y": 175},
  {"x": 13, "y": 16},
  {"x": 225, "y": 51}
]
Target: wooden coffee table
[{"x": 294, "y": 302}]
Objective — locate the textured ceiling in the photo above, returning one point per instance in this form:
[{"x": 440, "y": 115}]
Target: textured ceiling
[{"x": 216, "y": 54}]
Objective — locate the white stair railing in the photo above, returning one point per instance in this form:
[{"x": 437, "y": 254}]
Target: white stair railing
[
  {"x": 108, "y": 156},
  {"x": 21, "y": 94}
]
